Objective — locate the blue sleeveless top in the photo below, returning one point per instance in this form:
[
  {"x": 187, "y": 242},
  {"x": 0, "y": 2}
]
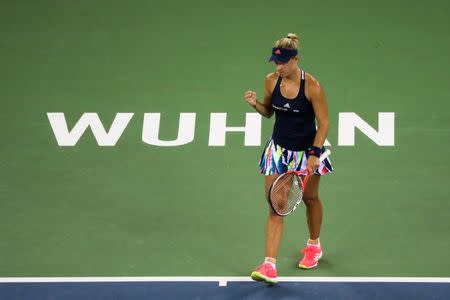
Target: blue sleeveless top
[{"x": 295, "y": 126}]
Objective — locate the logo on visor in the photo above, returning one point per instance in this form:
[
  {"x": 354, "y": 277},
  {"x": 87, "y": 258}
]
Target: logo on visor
[{"x": 278, "y": 52}]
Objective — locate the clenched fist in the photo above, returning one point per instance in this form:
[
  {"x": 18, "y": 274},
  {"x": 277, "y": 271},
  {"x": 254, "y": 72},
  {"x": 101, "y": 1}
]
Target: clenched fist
[{"x": 250, "y": 97}]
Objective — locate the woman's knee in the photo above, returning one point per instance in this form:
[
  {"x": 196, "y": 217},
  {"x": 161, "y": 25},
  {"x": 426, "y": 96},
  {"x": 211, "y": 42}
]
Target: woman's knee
[
  {"x": 310, "y": 199},
  {"x": 274, "y": 215},
  {"x": 311, "y": 195}
]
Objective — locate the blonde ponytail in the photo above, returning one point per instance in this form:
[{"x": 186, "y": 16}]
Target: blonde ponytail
[{"x": 289, "y": 42}]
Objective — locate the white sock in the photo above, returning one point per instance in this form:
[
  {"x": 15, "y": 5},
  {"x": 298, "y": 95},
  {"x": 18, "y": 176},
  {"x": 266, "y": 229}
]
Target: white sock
[
  {"x": 272, "y": 261},
  {"x": 318, "y": 242}
]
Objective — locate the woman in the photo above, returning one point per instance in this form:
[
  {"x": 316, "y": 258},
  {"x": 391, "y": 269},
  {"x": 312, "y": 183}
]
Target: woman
[{"x": 298, "y": 102}]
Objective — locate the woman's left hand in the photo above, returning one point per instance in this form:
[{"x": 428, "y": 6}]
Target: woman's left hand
[{"x": 312, "y": 164}]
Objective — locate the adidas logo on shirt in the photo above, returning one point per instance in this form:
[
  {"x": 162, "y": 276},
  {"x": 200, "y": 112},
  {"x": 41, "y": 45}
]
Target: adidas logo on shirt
[{"x": 287, "y": 105}]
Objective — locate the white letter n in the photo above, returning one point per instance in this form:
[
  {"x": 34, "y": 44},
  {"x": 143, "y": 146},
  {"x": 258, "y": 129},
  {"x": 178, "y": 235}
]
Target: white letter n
[{"x": 383, "y": 137}]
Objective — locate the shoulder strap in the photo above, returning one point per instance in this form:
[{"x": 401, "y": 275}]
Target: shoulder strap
[
  {"x": 276, "y": 89},
  {"x": 302, "y": 84},
  {"x": 279, "y": 82}
]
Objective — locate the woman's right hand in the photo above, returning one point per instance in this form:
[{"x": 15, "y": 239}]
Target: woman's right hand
[{"x": 250, "y": 97}]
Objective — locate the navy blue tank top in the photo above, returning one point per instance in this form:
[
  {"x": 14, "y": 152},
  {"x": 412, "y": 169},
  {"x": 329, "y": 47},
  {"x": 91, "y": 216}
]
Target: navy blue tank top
[{"x": 295, "y": 126}]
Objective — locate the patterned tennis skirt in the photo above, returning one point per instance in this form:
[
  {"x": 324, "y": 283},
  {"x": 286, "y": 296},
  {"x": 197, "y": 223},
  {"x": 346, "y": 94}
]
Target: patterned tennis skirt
[{"x": 277, "y": 160}]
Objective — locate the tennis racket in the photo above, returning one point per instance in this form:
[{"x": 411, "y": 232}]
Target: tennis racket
[{"x": 286, "y": 192}]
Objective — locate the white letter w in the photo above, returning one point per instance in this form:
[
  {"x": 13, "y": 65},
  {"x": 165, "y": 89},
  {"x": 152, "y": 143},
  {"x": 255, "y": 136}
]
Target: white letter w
[{"x": 64, "y": 137}]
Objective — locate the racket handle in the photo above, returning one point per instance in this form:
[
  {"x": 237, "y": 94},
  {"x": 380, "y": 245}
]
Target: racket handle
[{"x": 324, "y": 155}]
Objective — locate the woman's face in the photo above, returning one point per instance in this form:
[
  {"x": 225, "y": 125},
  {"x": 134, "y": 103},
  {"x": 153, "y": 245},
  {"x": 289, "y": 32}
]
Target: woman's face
[{"x": 285, "y": 69}]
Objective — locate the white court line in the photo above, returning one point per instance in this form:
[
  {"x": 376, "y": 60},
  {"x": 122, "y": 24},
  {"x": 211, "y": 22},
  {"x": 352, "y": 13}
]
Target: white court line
[{"x": 222, "y": 280}]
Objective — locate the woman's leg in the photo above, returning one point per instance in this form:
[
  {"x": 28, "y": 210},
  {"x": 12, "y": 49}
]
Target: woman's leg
[
  {"x": 314, "y": 209},
  {"x": 274, "y": 226},
  {"x": 313, "y": 251},
  {"x": 267, "y": 272}
]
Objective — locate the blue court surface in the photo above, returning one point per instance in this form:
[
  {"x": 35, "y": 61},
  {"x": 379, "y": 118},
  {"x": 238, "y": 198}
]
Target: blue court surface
[{"x": 139, "y": 288}]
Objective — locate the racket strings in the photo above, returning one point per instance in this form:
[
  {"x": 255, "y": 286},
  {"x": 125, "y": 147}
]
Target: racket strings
[{"x": 286, "y": 193}]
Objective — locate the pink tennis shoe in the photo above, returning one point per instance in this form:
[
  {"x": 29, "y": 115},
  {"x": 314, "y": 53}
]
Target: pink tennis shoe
[
  {"x": 265, "y": 272},
  {"x": 312, "y": 254}
]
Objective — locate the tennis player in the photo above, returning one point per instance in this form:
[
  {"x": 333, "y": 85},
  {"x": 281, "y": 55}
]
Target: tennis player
[{"x": 299, "y": 104}]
